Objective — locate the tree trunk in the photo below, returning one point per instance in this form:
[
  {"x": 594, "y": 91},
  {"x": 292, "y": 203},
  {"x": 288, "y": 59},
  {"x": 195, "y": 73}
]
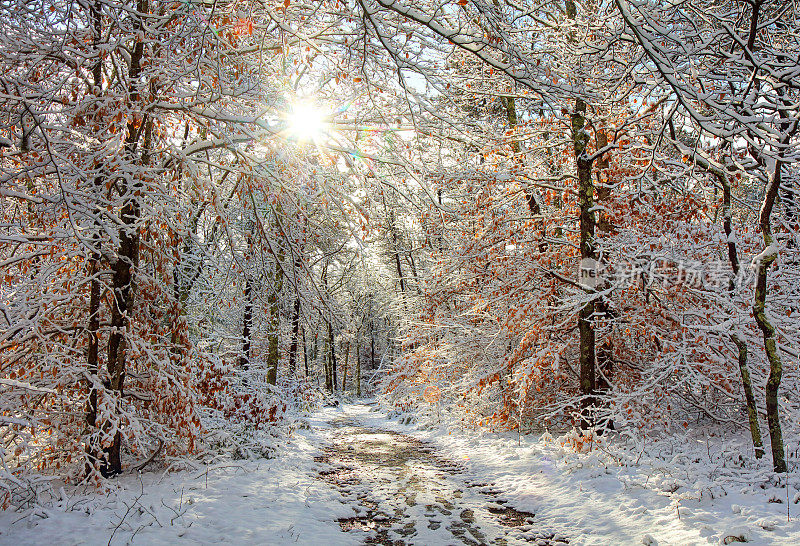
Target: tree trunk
[
  {"x": 580, "y": 139},
  {"x": 274, "y": 325},
  {"x": 315, "y": 357},
  {"x": 744, "y": 372},
  {"x": 752, "y": 411},
  {"x": 399, "y": 270},
  {"x": 789, "y": 126},
  {"x": 587, "y": 351},
  {"x": 295, "y": 336},
  {"x": 123, "y": 292},
  {"x": 358, "y": 370},
  {"x": 332, "y": 355},
  {"x": 344, "y": 369},
  {"x": 124, "y": 273},
  {"x": 247, "y": 322},
  {"x": 371, "y": 346},
  {"x": 305, "y": 352},
  {"x": 92, "y": 352},
  {"x": 326, "y": 360},
  {"x": 396, "y": 250},
  {"x": 768, "y": 331}
]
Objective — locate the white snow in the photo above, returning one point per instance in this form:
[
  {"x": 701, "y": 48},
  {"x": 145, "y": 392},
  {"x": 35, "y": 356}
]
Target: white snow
[
  {"x": 589, "y": 498},
  {"x": 592, "y": 499},
  {"x": 267, "y": 501},
  {"x": 769, "y": 252}
]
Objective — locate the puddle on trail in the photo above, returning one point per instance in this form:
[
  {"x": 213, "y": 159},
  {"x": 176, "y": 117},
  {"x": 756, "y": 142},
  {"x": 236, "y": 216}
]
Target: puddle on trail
[{"x": 404, "y": 492}]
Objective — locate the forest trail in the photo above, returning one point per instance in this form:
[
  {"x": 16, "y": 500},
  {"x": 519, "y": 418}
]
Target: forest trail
[
  {"x": 405, "y": 491},
  {"x": 352, "y": 474}
]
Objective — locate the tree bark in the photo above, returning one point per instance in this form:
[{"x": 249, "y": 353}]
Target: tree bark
[
  {"x": 396, "y": 250},
  {"x": 92, "y": 352},
  {"x": 332, "y": 355},
  {"x": 124, "y": 280},
  {"x": 371, "y": 345},
  {"x": 741, "y": 346},
  {"x": 580, "y": 139},
  {"x": 752, "y": 411},
  {"x": 274, "y": 324},
  {"x": 92, "y": 361},
  {"x": 305, "y": 352},
  {"x": 789, "y": 126},
  {"x": 295, "y": 336},
  {"x": 326, "y": 362},
  {"x": 344, "y": 369},
  {"x": 358, "y": 370},
  {"x": 315, "y": 357},
  {"x": 768, "y": 331},
  {"x": 247, "y": 322}
]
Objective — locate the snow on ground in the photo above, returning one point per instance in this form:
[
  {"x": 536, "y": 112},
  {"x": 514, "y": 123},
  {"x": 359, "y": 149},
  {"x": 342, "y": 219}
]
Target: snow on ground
[
  {"x": 592, "y": 499},
  {"x": 407, "y": 492},
  {"x": 588, "y": 498},
  {"x": 267, "y": 501}
]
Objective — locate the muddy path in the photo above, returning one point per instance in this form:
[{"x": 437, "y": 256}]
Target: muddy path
[{"x": 405, "y": 492}]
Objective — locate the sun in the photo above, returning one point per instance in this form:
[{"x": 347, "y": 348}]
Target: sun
[{"x": 306, "y": 122}]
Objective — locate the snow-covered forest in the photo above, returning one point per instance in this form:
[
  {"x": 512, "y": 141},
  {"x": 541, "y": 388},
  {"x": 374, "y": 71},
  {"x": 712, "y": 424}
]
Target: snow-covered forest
[{"x": 565, "y": 233}]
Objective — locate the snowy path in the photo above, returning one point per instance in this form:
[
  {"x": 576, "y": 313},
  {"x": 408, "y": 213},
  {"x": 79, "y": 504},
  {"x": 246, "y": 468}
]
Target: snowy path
[
  {"x": 353, "y": 476},
  {"x": 404, "y": 492},
  {"x": 587, "y": 499}
]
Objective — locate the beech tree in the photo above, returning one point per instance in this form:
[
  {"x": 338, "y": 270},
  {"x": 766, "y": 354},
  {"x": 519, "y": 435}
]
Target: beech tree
[{"x": 741, "y": 93}]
